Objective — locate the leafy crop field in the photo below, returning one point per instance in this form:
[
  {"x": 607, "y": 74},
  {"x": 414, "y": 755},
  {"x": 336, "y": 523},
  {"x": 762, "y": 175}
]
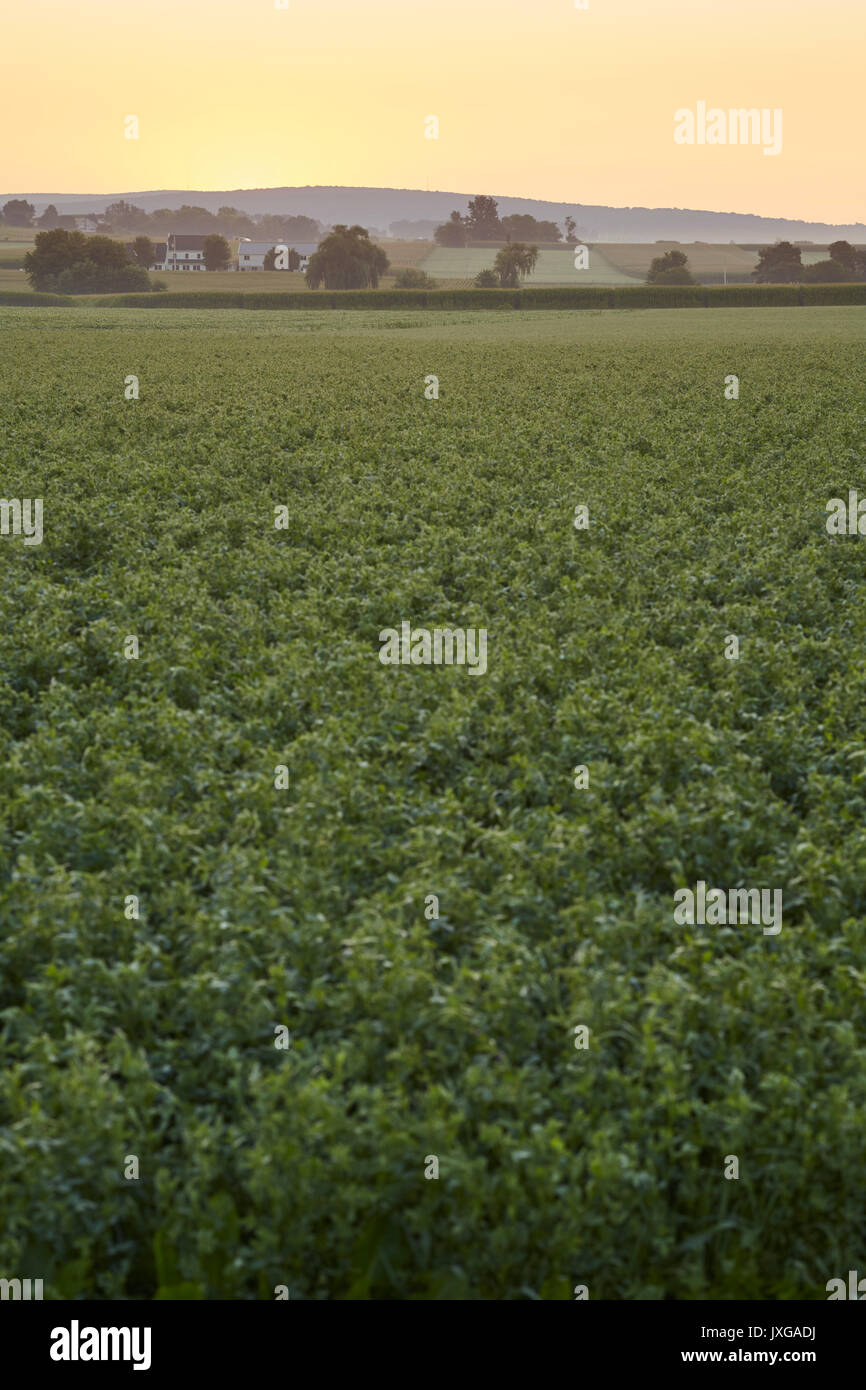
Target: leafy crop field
[{"x": 307, "y": 907}]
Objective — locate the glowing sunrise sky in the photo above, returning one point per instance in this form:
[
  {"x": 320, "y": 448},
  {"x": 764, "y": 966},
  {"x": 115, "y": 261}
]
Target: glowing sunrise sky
[{"x": 535, "y": 98}]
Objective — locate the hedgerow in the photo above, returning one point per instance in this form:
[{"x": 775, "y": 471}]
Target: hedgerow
[
  {"x": 755, "y": 296},
  {"x": 834, "y": 294},
  {"x": 545, "y": 297},
  {"x": 33, "y": 299}
]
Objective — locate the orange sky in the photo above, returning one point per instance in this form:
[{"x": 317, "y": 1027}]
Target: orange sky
[{"x": 535, "y": 98}]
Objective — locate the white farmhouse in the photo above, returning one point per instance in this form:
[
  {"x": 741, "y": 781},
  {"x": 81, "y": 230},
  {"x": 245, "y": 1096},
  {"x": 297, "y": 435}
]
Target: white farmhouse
[{"x": 184, "y": 252}]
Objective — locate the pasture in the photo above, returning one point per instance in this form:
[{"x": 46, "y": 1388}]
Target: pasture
[
  {"x": 633, "y": 258},
  {"x": 554, "y": 267},
  {"x": 166, "y": 907}
]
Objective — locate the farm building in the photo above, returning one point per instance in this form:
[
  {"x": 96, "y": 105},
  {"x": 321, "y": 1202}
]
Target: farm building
[
  {"x": 251, "y": 254},
  {"x": 184, "y": 252}
]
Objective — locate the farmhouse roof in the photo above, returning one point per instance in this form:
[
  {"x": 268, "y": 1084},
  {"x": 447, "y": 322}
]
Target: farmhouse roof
[
  {"x": 186, "y": 243},
  {"x": 159, "y": 249},
  {"x": 258, "y": 248},
  {"x": 157, "y": 246}
]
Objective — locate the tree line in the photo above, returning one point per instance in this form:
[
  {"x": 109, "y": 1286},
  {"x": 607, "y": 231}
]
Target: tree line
[
  {"x": 781, "y": 263},
  {"x": 481, "y": 222},
  {"x": 187, "y": 220},
  {"x": 68, "y": 262}
]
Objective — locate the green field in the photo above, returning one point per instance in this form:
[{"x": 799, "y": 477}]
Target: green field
[
  {"x": 554, "y": 267},
  {"x": 704, "y": 257},
  {"x": 235, "y": 281},
  {"x": 13, "y": 252},
  {"x": 304, "y": 908}
]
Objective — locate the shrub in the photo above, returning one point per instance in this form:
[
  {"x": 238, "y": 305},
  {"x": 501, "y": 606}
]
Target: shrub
[
  {"x": 670, "y": 269},
  {"x": 85, "y": 277},
  {"x": 412, "y": 278},
  {"x": 674, "y": 275}
]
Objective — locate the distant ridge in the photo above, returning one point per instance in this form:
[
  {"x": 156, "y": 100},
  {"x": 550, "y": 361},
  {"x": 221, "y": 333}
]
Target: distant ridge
[{"x": 379, "y": 207}]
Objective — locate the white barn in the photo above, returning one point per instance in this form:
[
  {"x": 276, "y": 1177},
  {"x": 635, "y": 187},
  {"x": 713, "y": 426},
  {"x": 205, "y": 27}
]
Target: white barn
[{"x": 251, "y": 254}]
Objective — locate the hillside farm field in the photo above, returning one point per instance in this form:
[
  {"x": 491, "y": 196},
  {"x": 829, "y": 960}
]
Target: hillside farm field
[
  {"x": 554, "y": 266},
  {"x": 166, "y": 908},
  {"x": 634, "y": 258}
]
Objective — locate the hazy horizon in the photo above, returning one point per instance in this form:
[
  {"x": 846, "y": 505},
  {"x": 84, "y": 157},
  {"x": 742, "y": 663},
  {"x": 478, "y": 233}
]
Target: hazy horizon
[{"x": 557, "y": 103}]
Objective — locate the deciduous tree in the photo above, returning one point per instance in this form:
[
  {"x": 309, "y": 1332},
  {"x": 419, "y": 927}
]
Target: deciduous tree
[
  {"x": 779, "y": 264},
  {"x": 513, "y": 263},
  {"x": 217, "y": 252},
  {"x": 483, "y": 218},
  {"x": 18, "y": 212},
  {"x": 347, "y": 260},
  {"x": 144, "y": 251},
  {"x": 454, "y": 232},
  {"x": 670, "y": 269}
]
